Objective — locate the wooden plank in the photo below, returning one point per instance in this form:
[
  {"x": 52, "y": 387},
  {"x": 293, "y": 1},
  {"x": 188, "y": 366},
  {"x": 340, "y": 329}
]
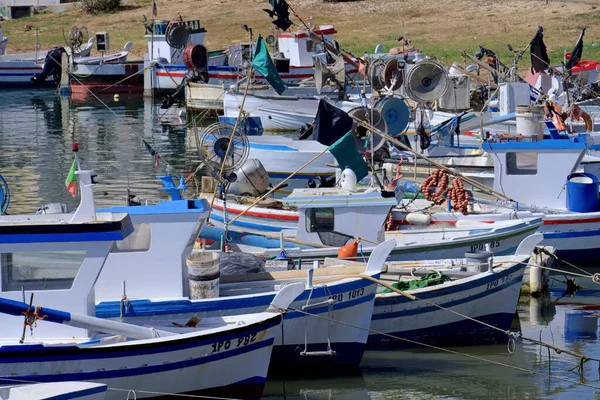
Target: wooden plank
[{"x": 294, "y": 274}]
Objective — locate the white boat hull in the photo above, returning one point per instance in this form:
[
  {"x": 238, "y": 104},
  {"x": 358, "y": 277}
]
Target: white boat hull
[
  {"x": 488, "y": 297},
  {"x": 188, "y": 363}
]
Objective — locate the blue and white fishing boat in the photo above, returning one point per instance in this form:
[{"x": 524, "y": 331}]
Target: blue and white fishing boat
[
  {"x": 55, "y": 390},
  {"x": 474, "y": 291},
  {"x": 55, "y": 260},
  {"x": 315, "y": 223},
  {"x": 163, "y": 238}
]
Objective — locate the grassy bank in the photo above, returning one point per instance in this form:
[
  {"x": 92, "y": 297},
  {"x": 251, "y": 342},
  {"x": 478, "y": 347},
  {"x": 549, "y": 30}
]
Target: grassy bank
[{"x": 441, "y": 28}]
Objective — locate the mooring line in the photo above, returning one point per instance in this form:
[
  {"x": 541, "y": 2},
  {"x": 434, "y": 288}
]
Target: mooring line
[{"x": 448, "y": 350}]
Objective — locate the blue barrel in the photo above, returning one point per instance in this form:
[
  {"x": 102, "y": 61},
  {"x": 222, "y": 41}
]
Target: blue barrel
[{"x": 582, "y": 192}]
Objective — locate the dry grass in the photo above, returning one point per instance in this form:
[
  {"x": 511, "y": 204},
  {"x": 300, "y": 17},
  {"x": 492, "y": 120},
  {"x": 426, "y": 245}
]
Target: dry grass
[{"x": 439, "y": 27}]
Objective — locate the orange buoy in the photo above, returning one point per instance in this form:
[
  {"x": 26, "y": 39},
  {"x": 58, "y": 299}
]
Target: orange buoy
[{"x": 348, "y": 251}]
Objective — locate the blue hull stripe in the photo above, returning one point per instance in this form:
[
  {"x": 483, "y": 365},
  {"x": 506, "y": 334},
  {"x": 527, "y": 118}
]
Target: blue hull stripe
[
  {"x": 151, "y": 369},
  {"x": 564, "y": 235},
  {"x": 427, "y": 309},
  {"x": 454, "y": 334},
  {"x": 39, "y": 353},
  {"x": 78, "y": 394},
  {"x": 454, "y": 289}
]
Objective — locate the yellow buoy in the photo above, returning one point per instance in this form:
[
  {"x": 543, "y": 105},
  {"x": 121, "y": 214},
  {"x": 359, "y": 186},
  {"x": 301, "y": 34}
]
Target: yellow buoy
[{"x": 116, "y": 97}]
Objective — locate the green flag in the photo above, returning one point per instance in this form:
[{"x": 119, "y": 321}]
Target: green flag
[
  {"x": 346, "y": 154},
  {"x": 262, "y": 63}
]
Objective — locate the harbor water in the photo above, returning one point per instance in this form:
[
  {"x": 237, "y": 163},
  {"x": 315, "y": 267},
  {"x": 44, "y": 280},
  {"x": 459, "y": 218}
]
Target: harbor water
[{"x": 37, "y": 129}]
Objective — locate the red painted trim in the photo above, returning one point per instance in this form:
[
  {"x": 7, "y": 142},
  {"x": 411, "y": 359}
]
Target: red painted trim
[
  {"x": 259, "y": 214},
  {"x": 571, "y": 221},
  {"x": 298, "y": 35}
]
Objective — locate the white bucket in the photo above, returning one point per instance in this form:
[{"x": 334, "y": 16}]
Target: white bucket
[
  {"x": 203, "y": 274},
  {"x": 530, "y": 121}
]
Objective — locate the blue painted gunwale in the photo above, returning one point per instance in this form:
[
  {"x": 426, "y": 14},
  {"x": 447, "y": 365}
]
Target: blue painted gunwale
[{"x": 137, "y": 308}]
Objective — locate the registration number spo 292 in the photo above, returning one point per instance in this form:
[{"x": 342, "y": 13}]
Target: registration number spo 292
[
  {"x": 239, "y": 342},
  {"x": 351, "y": 295},
  {"x": 499, "y": 282}
]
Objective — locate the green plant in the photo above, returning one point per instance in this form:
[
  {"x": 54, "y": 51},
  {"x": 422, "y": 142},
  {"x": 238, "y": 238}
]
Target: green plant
[{"x": 100, "y": 6}]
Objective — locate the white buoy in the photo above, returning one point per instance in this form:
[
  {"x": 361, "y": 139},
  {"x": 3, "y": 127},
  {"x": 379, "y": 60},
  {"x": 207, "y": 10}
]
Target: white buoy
[
  {"x": 418, "y": 218},
  {"x": 348, "y": 180}
]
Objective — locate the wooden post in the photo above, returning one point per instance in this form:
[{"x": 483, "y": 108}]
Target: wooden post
[{"x": 64, "y": 89}]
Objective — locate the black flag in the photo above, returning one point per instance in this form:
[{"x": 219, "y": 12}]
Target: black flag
[
  {"x": 539, "y": 56},
  {"x": 576, "y": 53},
  {"x": 281, "y": 11},
  {"x": 331, "y": 123}
]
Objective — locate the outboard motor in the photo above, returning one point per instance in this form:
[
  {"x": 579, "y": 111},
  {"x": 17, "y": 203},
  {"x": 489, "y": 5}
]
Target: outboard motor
[
  {"x": 52, "y": 66},
  {"x": 191, "y": 76}
]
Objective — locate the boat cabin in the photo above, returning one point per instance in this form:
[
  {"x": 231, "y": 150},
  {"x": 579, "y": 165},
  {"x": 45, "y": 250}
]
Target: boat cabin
[
  {"x": 164, "y": 235},
  {"x": 160, "y": 49},
  {"x": 57, "y": 258},
  {"x": 333, "y": 216},
  {"x": 535, "y": 172},
  {"x": 299, "y": 48}
]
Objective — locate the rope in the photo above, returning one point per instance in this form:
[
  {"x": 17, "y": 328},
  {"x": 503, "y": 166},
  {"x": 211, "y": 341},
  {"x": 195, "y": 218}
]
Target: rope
[
  {"x": 115, "y": 114},
  {"x": 512, "y": 335}
]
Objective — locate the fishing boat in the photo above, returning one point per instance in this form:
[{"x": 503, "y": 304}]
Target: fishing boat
[
  {"x": 266, "y": 111},
  {"x": 107, "y": 74},
  {"x": 293, "y": 57},
  {"x": 314, "y": 223},
  {"x": 57, "y": 258},
  {"x": 543, "y": 178},
  {"x": 163, "y": 239},
  {"x": 54, "y": 390},
  {"x": 470, "y": 300}
]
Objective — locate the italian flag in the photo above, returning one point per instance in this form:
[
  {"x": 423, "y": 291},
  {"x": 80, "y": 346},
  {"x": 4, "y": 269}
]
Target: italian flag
[{"x": 71, "y": 182}]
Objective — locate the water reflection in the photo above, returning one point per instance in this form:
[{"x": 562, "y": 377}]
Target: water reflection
[{"x": 36, "y": 133}]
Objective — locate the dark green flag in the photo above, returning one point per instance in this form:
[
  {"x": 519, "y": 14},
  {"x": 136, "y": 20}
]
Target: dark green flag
[
  {"x": 346, "y": 154},
  {"x": 262, "y": 63}
]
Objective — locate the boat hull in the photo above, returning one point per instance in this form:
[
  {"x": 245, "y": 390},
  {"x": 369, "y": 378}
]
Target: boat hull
[
  {"x": 188, "y": 364},
  {"x": 300, "y": 331},
  {"x": 488, "y": 297}
]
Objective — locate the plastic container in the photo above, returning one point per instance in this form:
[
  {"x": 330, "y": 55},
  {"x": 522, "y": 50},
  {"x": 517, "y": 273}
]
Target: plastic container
[
  {"x": 582, "y": 192},
  {"x": 530, "y": 121},
  {"x": 203, "y": 274},
  {"x": 160, "y": 27},
  {"x": 348, "y": 179}
]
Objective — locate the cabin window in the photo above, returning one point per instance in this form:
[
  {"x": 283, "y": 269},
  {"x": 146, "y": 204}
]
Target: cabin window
[
  {"x": 311, "y": 46},
  {"x": 319, "y": 219},
  {"x": 139, "y": 240},
  {"x": 53, "y": 270},
  {"x": 521, "y": 163}
]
